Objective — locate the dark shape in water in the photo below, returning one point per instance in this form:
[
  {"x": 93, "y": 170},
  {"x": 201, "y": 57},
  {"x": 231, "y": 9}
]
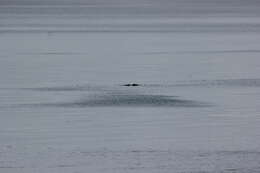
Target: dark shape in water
[
  {"x": 127, "y": 101},
  {"x": 132, "y": 84}
]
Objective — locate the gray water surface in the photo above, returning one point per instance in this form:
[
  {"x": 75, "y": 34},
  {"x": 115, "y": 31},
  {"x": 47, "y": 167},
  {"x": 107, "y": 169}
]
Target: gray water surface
[{"x": 63, "y": 106}]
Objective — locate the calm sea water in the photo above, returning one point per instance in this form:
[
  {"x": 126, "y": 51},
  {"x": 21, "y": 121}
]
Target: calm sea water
[{"x": 63, "y": 106}]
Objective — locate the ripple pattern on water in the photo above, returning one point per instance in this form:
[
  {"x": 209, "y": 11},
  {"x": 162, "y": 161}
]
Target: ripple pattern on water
[{"x": 121, "y": 100}]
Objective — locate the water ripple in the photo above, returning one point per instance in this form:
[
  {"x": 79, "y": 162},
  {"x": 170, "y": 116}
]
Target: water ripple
[{"x": 126, "y": 101}]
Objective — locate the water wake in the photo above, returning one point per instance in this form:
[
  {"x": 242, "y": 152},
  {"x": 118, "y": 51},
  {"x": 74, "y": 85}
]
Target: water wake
[{"x": 125, "y": 101}]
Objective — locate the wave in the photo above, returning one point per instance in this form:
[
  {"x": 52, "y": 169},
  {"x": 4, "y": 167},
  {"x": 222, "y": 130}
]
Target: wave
[
  {"x": 66, "y": 88},
  {"x": 211, "y": 83}
]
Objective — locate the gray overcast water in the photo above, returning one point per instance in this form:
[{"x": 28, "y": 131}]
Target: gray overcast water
[{"x": 64, "y": 107}]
